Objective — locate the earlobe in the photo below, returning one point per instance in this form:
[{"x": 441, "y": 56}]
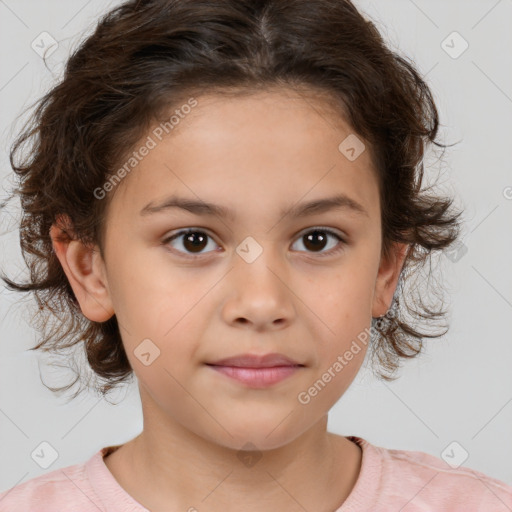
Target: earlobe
[
  {"x": 85, "y": 271},
  {"x": 387, "y": 279}
]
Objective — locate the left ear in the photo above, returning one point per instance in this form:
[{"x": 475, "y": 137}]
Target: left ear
[{"x": 387, "y": 279}]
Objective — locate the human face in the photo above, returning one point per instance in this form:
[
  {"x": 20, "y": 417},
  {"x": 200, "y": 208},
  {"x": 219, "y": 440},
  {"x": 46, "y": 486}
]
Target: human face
[{"x": 200, "y": 301}]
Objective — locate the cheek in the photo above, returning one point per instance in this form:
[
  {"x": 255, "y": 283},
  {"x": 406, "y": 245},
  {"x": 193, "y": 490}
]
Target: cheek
[
  {"x": 163, "y": 353},
  {"x": 342, "y": 301},
  {"x": 171, "y": 320},
  {"x": 160, "y": 318},
  {"x": 343, "y": 317},
  {"x": 150, "y": 293}
]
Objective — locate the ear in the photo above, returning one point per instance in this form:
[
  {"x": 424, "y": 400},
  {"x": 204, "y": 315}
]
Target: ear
[
  {"x": 85, "y": 270},
  {"x": 387, "y": 279}
]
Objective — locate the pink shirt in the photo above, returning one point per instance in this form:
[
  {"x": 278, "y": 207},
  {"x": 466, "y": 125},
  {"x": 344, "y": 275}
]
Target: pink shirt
[{"x": 389, "y": 481}]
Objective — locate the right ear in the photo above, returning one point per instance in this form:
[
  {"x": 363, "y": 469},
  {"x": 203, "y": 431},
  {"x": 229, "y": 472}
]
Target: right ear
[{"x": 85, "y": 270}]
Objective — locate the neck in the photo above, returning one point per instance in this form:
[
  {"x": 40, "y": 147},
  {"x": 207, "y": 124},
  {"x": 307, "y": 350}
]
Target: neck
[{"x": 174, "y": 466}]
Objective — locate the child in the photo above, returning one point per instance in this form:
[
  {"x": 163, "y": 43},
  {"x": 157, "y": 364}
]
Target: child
[{"x": 252, "y": 128}]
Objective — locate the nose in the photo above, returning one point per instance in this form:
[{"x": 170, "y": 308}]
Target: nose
[{"x": 260, "y": 296}]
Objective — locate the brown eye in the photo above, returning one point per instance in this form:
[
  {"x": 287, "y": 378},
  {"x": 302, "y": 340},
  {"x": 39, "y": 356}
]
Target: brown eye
[
  {"x": 316, "y": 240},
  {"x": 192, "y": 241},
  {"x": 195, "y": 241}
]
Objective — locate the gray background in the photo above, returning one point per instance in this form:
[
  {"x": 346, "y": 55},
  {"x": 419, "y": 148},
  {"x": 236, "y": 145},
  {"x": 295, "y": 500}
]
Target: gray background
[{"x": 459, "y": 390}]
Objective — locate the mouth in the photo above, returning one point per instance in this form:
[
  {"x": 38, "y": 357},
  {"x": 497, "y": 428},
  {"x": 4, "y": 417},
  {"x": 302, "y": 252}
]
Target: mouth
[
  {"x": 256, "y": 361},
  {"x": 257, "y": 371}
]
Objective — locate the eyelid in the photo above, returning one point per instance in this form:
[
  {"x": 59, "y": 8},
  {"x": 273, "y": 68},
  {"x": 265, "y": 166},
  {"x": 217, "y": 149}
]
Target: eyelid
[
  {"x": 184, "y": 231},
  {"x": 343, "y": 240},
  {"x": 333, "y": 231},
  {"x": 341, "y": 245}
]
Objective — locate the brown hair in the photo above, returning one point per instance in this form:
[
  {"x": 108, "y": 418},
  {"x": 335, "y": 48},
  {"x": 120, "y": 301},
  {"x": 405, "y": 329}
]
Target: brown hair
[{"x": 146, "y": 56}]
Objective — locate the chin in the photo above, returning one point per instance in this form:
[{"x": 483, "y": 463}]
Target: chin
[{"x": 259, "y": 436}]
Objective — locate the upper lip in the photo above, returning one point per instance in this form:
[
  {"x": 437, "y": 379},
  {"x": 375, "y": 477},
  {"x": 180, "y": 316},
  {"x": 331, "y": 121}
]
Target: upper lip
[{"x": 256, "y": 361}]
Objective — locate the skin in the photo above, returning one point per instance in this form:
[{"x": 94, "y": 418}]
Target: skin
[{"x": 255, "y": 154}]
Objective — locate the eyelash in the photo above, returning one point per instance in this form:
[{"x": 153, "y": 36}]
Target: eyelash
[{"x": 187, "y": 231}]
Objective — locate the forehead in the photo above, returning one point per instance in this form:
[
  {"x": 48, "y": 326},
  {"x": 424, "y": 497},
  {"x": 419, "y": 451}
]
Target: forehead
[{"x": 254, "y": 153}]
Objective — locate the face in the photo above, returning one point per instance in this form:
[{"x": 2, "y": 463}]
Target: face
[{"x": 255, "y": 280}]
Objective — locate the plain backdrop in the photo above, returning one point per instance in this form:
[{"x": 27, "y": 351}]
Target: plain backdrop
[{"x": 457, "y": 395}]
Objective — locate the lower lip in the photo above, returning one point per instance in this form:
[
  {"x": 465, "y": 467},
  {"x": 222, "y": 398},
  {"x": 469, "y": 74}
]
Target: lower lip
[{"x": 257, "y": 377}]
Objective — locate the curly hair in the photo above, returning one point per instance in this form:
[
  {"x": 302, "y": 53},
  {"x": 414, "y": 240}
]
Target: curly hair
[{"x": 143, "y": 59}]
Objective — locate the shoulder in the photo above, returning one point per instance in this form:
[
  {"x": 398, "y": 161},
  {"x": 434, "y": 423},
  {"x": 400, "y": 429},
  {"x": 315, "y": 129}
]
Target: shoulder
[
  {"x": 420, "y": 480},
  {"x": 56, "y": 489}
]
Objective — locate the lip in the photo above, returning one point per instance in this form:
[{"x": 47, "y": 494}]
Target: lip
[
  {"x": 257, "y": 371},
  {"x": 257, "y": 361}
]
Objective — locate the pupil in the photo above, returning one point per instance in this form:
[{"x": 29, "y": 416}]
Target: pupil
[
  {"x": 315, "y": 235},
  {"x": 198, "y": 244},
  {"x": 196, "y": 241}
]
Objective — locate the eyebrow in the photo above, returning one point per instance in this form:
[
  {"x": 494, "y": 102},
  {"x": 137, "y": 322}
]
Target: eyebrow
[{"x": 300, "y": 210}]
